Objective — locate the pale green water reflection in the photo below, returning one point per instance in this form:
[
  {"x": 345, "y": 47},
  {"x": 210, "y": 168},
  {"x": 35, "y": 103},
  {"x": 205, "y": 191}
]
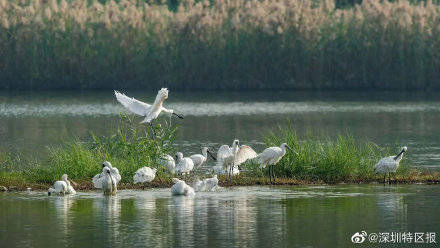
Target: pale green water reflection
[{"x": 324, "y": 216}]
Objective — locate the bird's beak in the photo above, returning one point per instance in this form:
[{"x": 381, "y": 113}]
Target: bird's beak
[
  {"x": 181, "y": 117},
  {"x": 72, "y": 182},
  {"x": 288, "y": 147},
  {"x": 212, "y": 156}
]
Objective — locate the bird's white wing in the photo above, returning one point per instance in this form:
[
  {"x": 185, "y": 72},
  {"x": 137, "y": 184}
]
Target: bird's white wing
[
  {"x": 97, "y": 181},
  {"x": 197, "y": 159},
  {"x": 243, "y": 154},
  {"x": 223, "y": 152},
  {"x": 135, "y": 106}
]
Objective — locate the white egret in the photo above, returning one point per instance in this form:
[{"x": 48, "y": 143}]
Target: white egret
[
  {"x": 168, "y": 162},
  {"x": 199, "y": 159},
  {"x": 208, "y": 184},
  {"x": 108, "y": 182},
  {"x": 150, "y": 112},
  {"x": 230, "y": 157},
  {"x": 184, "y": 165},
  {"x": 389, "y": 164},
  {"x": 62, "y": 187},
  {"x": 98, "y": 178},
  {"x": 144, "y": 174},
  {"x": 271, "y": 156},
  {"x": 181, "y": 188}
]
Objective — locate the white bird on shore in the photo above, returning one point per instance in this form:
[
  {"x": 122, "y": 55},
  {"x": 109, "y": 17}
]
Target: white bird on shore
[
  {"x": 389, "y": 164},
  {"x": 208, "y": 184},
  {"x": 62, "y": 187},
  {"x": 271, "y": 156},
  {"x": 108, "y": 182},
  {"x": 150, "y": 112},
  {"x": 184, "y": 165},
  {"x": 230, "y": 157},
  {"x": 98, "y": 178},
  {"x": 144, "y": 174},
  {"x": 168, "y": 162},
  {"x": 199, "y": 159},
  {"x": 181, "y": 188}
]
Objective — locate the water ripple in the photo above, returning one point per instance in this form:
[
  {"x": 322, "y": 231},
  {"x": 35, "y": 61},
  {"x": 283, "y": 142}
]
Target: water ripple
[{"x": 216, "y": 109}]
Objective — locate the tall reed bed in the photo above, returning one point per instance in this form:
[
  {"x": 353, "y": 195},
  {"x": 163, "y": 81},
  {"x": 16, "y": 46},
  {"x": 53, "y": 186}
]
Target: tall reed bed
[
  {"x": 337, "y": 159},
  {"x": 221, "y": 44}
]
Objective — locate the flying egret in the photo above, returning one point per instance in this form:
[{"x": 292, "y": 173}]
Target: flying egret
[
  {"x": 184, "y": 165},
  {"x": 389, "y": 164},
  {"x": 199, "y": 159},
  {"x": 168, "y": 162},
  {"x": 230, "y": 157},
  {"x": 271, "y": 156},
  {"x": 150, "y": 112},
  {"x": 62, "y": 187},
  {"x": 97, "y": 179},
  {"x": 144, "y": 174},
  {"x": 108, "y": 182},
  {"x": 181, "y": 188},
  {"x": 208, "y": 184}
]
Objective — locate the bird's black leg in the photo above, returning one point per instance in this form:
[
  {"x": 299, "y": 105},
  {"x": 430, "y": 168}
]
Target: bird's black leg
[
  {"x": 152, "y": 128},
  {"x": 384, "y": 180},
  {"x": 273, "y": 173},
  {"x": 389, "y": 177}
]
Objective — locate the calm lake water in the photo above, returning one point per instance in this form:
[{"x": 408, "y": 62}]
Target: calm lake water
[
  {"x": 31, "y": 122},
  {"x": 324, "y": 216}
]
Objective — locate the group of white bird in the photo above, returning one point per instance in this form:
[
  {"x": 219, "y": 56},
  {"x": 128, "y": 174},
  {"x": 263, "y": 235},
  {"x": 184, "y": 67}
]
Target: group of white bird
[{"x": 228, "y": 158}]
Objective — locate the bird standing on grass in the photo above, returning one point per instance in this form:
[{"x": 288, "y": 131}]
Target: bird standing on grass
[
  {"x": 200, "y": 159},
  {"x": 168, "y": 162},
  {"x": 150, "y": 112},
  {"x": 231, "y": 157},
  {"x": 271, "y": 156},
  {"x": 144, "y": 174},
  {"x": 183, "y": 165},
  {"x": 389, "y": 164}
]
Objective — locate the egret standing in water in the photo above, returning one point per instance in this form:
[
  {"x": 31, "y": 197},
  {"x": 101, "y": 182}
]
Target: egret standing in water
[
  {"x": 200, "y": 159},
  {"x": 389, "y": 164},
  {"x": 181, "y": 188},
  {"x": 150, "y": 112},
  {"x": 230, "y": 157},
  {"x": 62, "y": 187},
  {"x": 108, "y": 182},
  {"x": 271, "y": 156},
  {"x": 97, "y": 179}
]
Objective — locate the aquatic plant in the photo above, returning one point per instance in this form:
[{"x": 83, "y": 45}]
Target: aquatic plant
[
  {"x": 222, "y": 44},
  {"x": 129, "y": 147},
  {"x": 336, "y": 159}
]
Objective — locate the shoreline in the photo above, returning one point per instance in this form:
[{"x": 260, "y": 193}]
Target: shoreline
[{"x": 87, "y": 185}]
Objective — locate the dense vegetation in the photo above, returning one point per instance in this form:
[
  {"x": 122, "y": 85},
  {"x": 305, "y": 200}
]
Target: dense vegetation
[
  {"x": 131, "y": 146},
  {"x": 223, "y": 44}
]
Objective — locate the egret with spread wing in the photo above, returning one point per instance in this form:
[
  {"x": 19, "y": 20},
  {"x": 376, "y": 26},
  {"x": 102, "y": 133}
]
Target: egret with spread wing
[
  {"x": 150, "y": 112},
  {"x": 230, "y": 157}
]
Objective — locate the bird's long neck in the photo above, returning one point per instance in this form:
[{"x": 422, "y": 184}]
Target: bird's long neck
[
  {"x": 399, "y": 156},
  {"x": 205, "y": 153},
  {"x": 158, "y": 101}
]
